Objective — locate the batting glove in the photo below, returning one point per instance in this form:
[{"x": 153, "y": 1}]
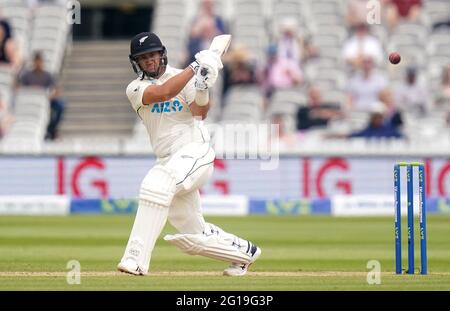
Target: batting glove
[
  {"x": 205, "y": 77},
  {"x": 194, "y": 66},
  {"x": 210, "y": 58}
]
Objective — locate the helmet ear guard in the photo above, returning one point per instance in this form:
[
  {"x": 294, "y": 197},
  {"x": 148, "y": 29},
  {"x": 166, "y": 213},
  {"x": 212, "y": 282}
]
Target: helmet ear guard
[
  {"x": 164, "y": 56},
  {"x": 136, "y": 68}
]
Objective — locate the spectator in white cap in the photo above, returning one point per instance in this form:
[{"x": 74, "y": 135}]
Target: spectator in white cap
[
  {"x": 289, "y": 44},
  {"x": 362, "y": 45}
]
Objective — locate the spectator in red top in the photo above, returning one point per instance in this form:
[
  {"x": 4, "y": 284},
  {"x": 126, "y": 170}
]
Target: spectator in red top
[
  {"x": 403, "y": 9},
  {"x": 407, "y": 8}
]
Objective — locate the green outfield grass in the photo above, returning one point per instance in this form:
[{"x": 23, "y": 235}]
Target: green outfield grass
[{"x": 299, "y": 253}]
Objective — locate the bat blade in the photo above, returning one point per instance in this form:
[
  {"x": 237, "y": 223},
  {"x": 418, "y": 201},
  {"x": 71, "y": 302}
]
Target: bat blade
[{"x": 220, "y": 44}]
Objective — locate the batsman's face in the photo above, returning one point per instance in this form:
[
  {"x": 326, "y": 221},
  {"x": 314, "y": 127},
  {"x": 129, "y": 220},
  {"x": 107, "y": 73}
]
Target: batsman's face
[{"x": 149, "y": 61}]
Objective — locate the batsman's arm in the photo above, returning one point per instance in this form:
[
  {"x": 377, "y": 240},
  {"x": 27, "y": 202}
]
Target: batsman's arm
[
  {"x": 202, "y": 97},
  {"x": 169, "y": 89},
  {"x": 200, "y": 106}
]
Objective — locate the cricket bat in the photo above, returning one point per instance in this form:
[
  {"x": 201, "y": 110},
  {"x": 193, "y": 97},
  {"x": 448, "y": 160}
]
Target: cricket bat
[{"x": 220, "y": 44}]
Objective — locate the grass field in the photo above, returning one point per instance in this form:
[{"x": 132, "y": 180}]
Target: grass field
[{"x": 299, "y": 253}]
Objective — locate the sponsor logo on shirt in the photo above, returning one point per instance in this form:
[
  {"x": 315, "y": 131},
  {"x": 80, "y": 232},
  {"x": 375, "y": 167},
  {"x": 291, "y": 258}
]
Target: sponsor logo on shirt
[{"x": 166, "y": 107}]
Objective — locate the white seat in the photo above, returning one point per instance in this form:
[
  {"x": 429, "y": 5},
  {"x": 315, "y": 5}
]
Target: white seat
[
  {"x": 6, "y": 79},
  {"x": 405, "y": 39},
  {"x": 245, "y": 8},
  {"x": 325, "y": 7},
  {"x": 14, "y": 3},
  {"x": 412, "y": 29},
  {"x": 439, "y": 46},
  {"x": 44, "y": 23},
  {"x": 243, "y": 102},
  {"x": 333, "y": 96},
  {"x": 15, "y": 11},
  {"x": 5, "y": 94},
  {"x": 331, "y": 19},
  {"x": 51, "y": 11},
  {"x": 324, "y": 41}
]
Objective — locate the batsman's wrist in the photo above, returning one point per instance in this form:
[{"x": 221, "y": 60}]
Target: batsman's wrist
[
  {"x": 202, "y": 97},
  {"x": 194, "y": 66}
]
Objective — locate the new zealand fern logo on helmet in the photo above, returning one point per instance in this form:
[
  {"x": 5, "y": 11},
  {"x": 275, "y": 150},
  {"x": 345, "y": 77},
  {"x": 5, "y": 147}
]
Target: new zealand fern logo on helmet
[{"x": 142, "y": 40}]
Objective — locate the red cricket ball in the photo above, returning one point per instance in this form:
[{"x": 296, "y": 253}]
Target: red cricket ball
[{"x": 394, "y": 58}]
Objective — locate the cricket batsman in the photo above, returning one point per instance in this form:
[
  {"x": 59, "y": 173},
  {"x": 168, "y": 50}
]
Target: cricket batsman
[{"x": 172, "y": 104}]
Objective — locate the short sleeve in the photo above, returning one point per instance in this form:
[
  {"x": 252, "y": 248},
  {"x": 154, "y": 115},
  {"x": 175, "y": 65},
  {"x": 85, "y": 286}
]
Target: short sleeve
[
  {"x": 51, "y": 81},
  {"x": 23, "y": 79},
  {"x": 135, "y": 92}
]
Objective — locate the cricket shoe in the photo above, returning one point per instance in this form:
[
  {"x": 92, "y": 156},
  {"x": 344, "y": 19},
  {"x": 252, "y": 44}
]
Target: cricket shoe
[
  {"x": 240, "y": 269},
  {"x": 130, "y": 266}
]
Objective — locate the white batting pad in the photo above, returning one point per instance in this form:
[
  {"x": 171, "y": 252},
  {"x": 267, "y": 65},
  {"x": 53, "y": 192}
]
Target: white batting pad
[
  {"x": 150, "y": 220},
  {"x": 212, "y": 246},
  {"x": 158, "y": 186},
  {"x": 156, "y": 194}
]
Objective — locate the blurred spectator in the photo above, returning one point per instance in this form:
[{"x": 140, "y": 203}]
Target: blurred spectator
[
  {"x": 206, "y": 26},
  {"x": 308, "y": 49},
  {"x": 402, "y": 9},
  {"x": 362, "y": 45},
  {"x": 9, "y": 53},
  {"x": 447, "y": 119},
  {"x": 377, "y": 127},
  {"x": 38, "y": 77},
  {"x": 280, "y": 73},
  {"x": 410, "y": 94},
  {"x": 287, "y": 138},
  {"x": 277, "y": 119},
  {"x": 6, "y": 26},
  {"x": 6, "y": 118},
  {"x": 356, "y": 12},
  {"x": 363, "y": 11},
  {"x": 291, "y": 45},
  {"x": 238, "y": 69},
  {"x": 444, "y": 23},
  {"x": 443, "y": 96},
  {"x": 317, "y": 113},
  {"x": 364, "y": 87},
  {"x": 392, "y": 115}
]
